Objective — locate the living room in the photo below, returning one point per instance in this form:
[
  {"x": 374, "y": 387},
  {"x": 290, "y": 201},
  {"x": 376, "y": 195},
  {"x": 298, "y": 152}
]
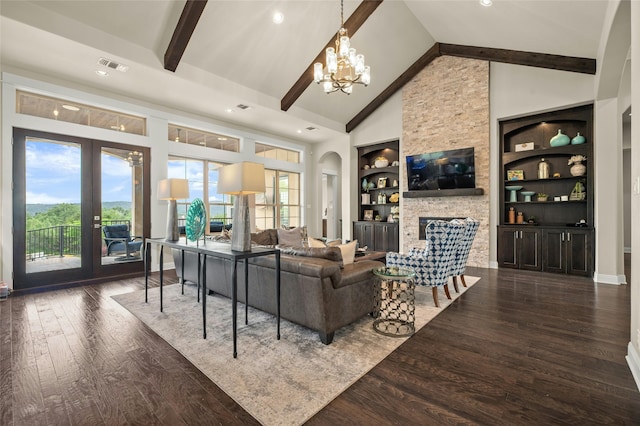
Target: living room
[{"x": 493, "y": 91}]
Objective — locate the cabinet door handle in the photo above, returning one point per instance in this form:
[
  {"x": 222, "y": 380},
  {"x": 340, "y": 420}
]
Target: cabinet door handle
[
  {"x": 563, "y": 236},
  {"x": 568, "y": 236},
  {"x": 521, "y": 235}
]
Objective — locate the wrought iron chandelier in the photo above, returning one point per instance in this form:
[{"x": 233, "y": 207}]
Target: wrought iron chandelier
[{"x": 344, "y": 67}]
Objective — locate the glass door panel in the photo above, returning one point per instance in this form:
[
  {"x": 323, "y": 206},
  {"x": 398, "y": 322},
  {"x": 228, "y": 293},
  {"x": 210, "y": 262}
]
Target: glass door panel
[
  {"x": 53, "y": 201},
  {"x": 67, "y": 191},
  {"x": 121, "y": 205}
]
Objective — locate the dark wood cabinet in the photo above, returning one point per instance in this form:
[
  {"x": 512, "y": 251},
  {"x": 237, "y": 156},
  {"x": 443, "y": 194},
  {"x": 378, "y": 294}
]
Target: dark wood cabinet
[
  {"x": 554, "y": 201},
  {"x": 386, "y": 236},
  {"x": 568, "y": 251},
  {"x": 363, "y": 232},
  {"x": 377, "y": 236},
  {"x": 520, "y": 247},
  {"x": 379, "y": 197}
]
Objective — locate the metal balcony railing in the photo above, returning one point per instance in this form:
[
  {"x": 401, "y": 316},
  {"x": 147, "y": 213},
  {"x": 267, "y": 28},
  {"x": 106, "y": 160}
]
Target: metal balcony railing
[{"x": 58, "y": 240}]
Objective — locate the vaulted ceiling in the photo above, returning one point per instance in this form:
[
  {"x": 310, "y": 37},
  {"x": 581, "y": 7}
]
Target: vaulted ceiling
[{"x": 238, "y": 55}]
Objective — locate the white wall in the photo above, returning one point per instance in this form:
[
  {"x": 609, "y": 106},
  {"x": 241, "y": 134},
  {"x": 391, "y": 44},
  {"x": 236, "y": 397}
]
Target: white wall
[{"x": 633, "y": 357}]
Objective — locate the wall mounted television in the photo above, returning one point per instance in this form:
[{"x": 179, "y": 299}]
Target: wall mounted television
[{"x": 450, "y": 169}]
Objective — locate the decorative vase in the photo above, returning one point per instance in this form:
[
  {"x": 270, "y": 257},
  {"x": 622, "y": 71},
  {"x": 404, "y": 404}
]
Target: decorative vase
[
  {"x": 559, "y": 140},
  {"x": 579, "y": 139},
  {"x": 366, "y": 198},
  {"x": 543, "y": 169},
  {"x": 578, "y": 169}
]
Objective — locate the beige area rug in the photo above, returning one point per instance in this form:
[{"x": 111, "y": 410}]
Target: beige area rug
[{"x": 279, "y": 382}]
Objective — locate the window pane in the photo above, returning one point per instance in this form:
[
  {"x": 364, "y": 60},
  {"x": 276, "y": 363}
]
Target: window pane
[
  {"x": 73, "y": 112},
  {"x": 190, "y": 136}
]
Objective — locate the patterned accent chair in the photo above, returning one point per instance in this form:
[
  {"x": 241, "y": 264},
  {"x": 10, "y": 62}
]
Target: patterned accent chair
[
  {"x": 433, "y": 264},
  {"x": 462, "y": 251}
]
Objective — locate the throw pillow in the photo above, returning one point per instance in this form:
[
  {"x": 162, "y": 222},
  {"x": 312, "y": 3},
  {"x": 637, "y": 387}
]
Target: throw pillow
[
  {"x": 291, "y": 238},
  {"x": 348, "y": 251},
  {"x": 334, "y": 243},
  {"x": 316, "y": 243},
  {"x": 262, "y": 238}
]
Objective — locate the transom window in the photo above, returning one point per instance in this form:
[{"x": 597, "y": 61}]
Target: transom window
[
  {"x": 190, "y": 136},
  {"x": 276, "y": 153},
  {"x": 73, "y": 112}
]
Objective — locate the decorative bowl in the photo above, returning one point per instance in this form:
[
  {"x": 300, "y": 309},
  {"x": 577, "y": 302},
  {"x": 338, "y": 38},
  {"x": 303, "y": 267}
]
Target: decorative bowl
[
  {"x": 381, "y": 162},
  {"x": 527, "y": 195},
  {"x": 513, "y": 187}
]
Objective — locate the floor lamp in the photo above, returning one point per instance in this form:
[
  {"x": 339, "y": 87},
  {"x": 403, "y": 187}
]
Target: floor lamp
[
  {"x": 241, "y": 179},
  {"x": 172, "y": 190}
]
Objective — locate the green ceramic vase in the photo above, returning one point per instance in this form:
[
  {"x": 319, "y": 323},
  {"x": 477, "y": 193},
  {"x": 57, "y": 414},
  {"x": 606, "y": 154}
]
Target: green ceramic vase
[
  {"x": 560, "y": 139},
  {"x": 579, "y": 139}
]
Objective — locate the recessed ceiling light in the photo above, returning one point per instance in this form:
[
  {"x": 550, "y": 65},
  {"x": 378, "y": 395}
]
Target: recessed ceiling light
[
  {"x": 299, "y": 131},
  {"x": 102, "y": 73},
  {"x": 486, "y": 3},
  {"x": 278, "y": 17},
  {"x": 71, "y": 107},
  {"x": 229, "y": 110}
]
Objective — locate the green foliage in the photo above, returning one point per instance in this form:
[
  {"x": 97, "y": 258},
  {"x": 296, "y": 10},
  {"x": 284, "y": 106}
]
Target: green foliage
[{"x": 69, "y": 214}]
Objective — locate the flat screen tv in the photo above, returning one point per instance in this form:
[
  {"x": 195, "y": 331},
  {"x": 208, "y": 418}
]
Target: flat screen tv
[{"x": 441, "y": 170}]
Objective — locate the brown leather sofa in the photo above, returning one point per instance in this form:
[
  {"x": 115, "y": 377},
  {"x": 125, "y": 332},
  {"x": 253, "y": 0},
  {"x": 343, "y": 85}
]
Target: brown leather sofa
[{"x": 316, "y": 292}]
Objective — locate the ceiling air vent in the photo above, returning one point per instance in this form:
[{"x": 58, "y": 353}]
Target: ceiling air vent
[
  {"x": 311, "y": 128},
  {"x": 242, "y": 106},
  {"x": 113, "y": 65}
]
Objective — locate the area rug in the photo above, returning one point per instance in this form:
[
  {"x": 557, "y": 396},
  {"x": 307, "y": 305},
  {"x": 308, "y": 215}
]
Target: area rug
[{"x": 279, "y": 382}]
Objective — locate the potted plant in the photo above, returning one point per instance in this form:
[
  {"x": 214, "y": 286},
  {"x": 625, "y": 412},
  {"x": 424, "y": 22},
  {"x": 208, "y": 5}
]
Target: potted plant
[{"x": 542, "y": 196}]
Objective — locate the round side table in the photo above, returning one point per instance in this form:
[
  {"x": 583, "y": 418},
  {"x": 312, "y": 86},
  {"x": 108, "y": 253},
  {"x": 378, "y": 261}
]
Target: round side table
[{"x": 395, "y": 305}]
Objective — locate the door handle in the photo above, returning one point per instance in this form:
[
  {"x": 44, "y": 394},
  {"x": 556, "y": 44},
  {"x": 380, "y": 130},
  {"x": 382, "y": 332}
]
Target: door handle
[
  {"x": 563, "y": 237},
  {"x": 568, "y": 236}
]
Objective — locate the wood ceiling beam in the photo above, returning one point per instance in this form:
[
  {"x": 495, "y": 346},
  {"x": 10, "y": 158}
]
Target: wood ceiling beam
[
  {"x": 404, "y": 78},
  {"x": 355, "y": 21},
  {"x": 182, "y": 34},
  {"x": 516, "y": 57}
]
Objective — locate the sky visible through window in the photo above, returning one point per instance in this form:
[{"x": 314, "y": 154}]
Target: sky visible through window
[{"x": 53, "y": 174}]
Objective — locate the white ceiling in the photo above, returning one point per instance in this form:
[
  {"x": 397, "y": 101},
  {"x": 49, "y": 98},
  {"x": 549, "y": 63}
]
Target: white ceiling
[{"x": 237, "y": 55}]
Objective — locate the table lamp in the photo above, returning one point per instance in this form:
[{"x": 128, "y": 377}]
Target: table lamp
[
  {"x": 172, "y": 190},
  {"x": 241, "y": 179}
]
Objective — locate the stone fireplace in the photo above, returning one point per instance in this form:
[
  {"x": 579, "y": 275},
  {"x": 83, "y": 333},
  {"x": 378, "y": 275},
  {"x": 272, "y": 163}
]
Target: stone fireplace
[{"x": 446, "y": 106}]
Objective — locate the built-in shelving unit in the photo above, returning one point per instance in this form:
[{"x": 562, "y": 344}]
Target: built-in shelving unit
[
  {"x": 372, "y": 228},
  {"x": 549, "y": 238}
]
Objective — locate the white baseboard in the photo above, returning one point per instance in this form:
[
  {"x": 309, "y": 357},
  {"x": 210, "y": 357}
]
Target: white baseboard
[
  {"x": 493, "y": 265},
  {"x": 609, "y": 279},
  {"x": 633, "y": 360}
]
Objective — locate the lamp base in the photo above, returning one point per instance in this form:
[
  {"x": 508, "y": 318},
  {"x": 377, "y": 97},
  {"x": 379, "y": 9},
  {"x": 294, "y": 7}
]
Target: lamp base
[
  {"x": 241, "y": 230},
  {"x": 172, "y": 222}
]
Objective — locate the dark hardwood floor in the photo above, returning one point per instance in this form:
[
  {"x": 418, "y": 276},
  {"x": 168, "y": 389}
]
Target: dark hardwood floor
[{"x": 517, "y": 348}]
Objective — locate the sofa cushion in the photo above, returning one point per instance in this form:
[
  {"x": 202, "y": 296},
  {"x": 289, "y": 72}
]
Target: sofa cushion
[
  {"x": 315, "y": 243},
  {"x": 291, "y": 237},
  {"x": 348, "y": 251},
  {"x": 308, "y": 266},
  {"x": 263, "y": 238},
  {"x": 329, "y": 253}
]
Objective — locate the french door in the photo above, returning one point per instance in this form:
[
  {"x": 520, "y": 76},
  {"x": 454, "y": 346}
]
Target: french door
[{"x": 68, "y": 192}]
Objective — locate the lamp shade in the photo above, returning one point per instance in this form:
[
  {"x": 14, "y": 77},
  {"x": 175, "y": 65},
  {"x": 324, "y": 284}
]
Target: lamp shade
[
  {"x": 241, "y": 179},
  {"x": 173, "y": 189}
]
